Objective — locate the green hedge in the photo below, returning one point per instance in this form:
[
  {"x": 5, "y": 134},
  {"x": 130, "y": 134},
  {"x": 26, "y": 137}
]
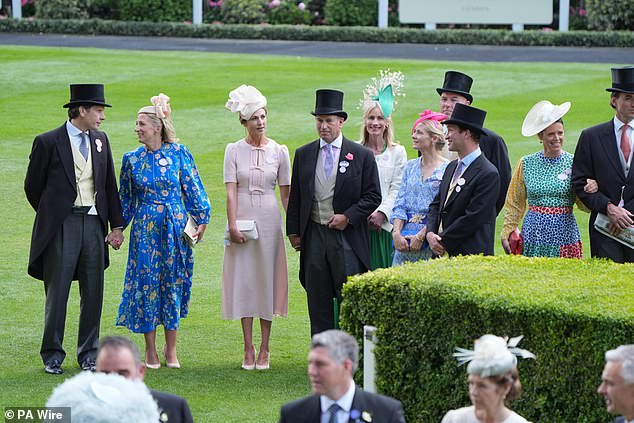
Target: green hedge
[
  {"x": 323, "y": 33},
  {"x": 570, "y": 312}
]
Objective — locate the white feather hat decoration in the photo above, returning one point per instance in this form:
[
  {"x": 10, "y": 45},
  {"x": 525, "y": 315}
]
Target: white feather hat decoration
[
  {"x": 542, "y": 115},
  {"x": 245, "y": 100},
  {"x": 492, "y": 355}
]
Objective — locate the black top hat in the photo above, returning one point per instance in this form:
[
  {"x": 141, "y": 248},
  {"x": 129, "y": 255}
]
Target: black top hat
[
  {"x": 86, "y": 94},
  {"x": 468, "y": 117},
  {"x": 622, "y": 80},
  {"x": 457, "y": 82},
  {"x": 329, "y": 102}
]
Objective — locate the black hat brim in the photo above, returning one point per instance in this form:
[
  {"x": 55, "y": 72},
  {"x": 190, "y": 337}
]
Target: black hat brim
[
  {"x": 620, "y": 90},
  {"x": 78, "y": 103},
  {"x": 464, "y": 124},
  {"x": 462, "y": 93},
  {"x": 340, "y": 113}
]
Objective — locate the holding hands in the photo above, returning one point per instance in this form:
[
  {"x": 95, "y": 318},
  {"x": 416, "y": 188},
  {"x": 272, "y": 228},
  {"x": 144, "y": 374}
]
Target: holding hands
[{"x": 115, "y": 238}]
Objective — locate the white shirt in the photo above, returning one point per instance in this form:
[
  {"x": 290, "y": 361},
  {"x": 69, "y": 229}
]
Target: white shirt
[
  {"x": 345, "y": 402},
  {"x": 74, "y": 134}
]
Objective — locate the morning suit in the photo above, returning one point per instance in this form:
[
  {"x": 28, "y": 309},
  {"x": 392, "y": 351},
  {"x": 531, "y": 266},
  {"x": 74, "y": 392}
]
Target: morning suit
[
  {"x": 308, "y": 410},
  {"x": 175, "y": 408},
  {"x": 61, "y": 230},
  {"x": 494, "y": 149},
  {"x": 466, "y": 216},
  {"x": 357, "y": 194},
  {"x": 597, "y": 157}
]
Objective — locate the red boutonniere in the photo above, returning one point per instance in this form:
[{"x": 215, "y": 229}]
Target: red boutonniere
[{"x": 349, "y": 156}]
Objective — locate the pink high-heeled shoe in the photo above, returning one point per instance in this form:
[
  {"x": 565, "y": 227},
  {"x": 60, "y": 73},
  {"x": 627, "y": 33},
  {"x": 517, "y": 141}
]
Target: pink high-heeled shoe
[{"x": 174, "y": 365}]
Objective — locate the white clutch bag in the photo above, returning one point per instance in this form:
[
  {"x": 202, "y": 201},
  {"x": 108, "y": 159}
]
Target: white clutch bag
[
  {"x": 189, "y": 233},
  {"x": 247, "y": 227}
]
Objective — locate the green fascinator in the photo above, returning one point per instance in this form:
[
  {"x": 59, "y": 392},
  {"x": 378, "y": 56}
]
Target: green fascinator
[{"x": 383, "y": 90}]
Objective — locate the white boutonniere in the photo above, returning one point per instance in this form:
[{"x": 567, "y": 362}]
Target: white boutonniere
[
  {"x": 458, "y": 188},
  {"x": 163, "y": 161},
  {"x": 343, "y": 169},
  {"x": 357, "y": 416},
  {"x": 344, "y": 163},
  {"x": 98, "y": 143},
  {"x": 164, "y": 417},
  {"x": 461, "y": 182}
]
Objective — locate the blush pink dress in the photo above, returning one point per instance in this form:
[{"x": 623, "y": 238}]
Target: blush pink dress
[{"x": 255, "y": 274}]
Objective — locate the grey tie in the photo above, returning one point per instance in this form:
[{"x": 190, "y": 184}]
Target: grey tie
[
  {"x": 458, "y": 171},
  {"x": 83, "y": 145},
  {"x": 333, "y": 410}
]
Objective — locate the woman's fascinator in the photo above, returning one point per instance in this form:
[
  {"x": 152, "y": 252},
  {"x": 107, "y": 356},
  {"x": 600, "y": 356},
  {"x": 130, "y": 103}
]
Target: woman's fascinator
[
  {"x": 161, "y": 109},
  {"x": 105, "y": 398},
  {"x": 429, "y": 115},
  {"x": 245, "y": 100},
  {"x": 492, "y": 355},
  {"x": 383, "y": 91},
  {"x": 542, "y": 115}
]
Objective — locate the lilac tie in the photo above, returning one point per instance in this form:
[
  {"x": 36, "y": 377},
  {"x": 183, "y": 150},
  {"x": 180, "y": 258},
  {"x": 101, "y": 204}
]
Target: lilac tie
[
  {"x": 329, "y": 163},
  {"x": 83, "y": 145},
  {"x": 458, "y": 171}
]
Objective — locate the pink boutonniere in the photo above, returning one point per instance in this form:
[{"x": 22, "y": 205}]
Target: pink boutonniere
[{"x": 349, "y": 156}]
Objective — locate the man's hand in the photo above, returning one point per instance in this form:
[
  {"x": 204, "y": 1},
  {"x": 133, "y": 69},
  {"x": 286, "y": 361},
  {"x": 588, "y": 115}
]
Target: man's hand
[
  {"x": 400, "y": 243},
  {"x": 506, "y": 245},
  {"x": 115, "y": 238},
  {"x": 295, "y": 241},
  {"x": 338, "y": 222},
  {"x": 620, "y": 218},
  {"x": 375, "y": 220},
  {"x": 434, "y": 243}
]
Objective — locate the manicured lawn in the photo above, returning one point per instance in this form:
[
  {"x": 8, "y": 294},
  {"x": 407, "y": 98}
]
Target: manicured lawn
[{"x": 34, "y": 85}]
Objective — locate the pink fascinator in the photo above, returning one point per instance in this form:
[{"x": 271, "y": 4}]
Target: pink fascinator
[
  {"x": 160, "y": 106},
  {"x": 429, "y": 115}
]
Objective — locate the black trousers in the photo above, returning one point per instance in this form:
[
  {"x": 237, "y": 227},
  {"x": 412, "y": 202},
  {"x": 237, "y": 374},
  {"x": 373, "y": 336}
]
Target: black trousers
[
  {"x": 615, "y": 251},
  {"x": 76, "y": 252},
  {"x": 328, "y": 261}
]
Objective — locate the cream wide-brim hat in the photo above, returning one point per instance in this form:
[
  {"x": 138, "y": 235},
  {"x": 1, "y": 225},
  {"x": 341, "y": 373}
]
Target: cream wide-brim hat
[{"x": 542, "y": 115}]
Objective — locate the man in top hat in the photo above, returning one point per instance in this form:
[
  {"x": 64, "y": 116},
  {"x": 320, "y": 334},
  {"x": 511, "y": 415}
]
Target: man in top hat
[
  {"x": 334, "y": 188},
  {"x": 461, "y": 219},
  {"x": 455, "y": 90},
  {"x": 71, "y": 185},
  {"x": 604, "y": 153}
]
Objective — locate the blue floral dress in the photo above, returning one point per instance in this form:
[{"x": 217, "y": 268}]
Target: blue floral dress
[
  {"x": 412, "y": 205},
  {"x": 158, "y": 280}
]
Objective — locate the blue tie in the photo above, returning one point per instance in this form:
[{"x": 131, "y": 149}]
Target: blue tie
[
  {"x": 333, "y": 410},
  {"x": 329, "y": 163},
  {"x": 83, "y": 145}
]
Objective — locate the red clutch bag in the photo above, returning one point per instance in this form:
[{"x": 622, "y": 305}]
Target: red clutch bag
[{"x": 516, "y": 242}]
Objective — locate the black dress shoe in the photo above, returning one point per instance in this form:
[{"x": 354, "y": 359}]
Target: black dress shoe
[
  {"x": 54, "y": 368},
  {"x": 88, "y": 365}
]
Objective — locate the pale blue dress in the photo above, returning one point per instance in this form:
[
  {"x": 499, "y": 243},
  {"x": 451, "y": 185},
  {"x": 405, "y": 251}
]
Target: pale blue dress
[{"x": 412, "y": 205}]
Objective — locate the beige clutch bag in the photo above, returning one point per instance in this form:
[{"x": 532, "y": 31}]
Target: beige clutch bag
[
  {"x": 190, "y": 231},
  {"x": 247, "y": 227}
]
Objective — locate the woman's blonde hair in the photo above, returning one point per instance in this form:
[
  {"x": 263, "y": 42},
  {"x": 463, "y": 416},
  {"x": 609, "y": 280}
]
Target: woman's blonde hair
[
  {"x": 434, "y": 129},
  {"x": 388, "y": 133},
  {"x": 168, "y": 134}
]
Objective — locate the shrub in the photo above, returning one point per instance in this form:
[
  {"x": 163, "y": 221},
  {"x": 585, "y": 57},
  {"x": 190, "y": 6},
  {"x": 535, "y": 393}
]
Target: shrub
[
  {"x": 610, "y": 15},
  {"x": 104, "y": 9},
  {"x": 211, "y": 11},
  {"x": 289, "y": 12},
  {"x": 351, "y": 12},
  {"x": 61, "y": 9},
  {"x": 243, "y": 11},
  {"x": 160, "y": 11},
  {"x": 570, "y": 312}
]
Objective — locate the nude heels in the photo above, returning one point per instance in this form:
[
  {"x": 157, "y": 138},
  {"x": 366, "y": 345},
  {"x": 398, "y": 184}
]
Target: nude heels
[
  {"x": 250, "y": 366},
  {"x": 174, "y": 365},
  {"x": 266, "y": 365}
]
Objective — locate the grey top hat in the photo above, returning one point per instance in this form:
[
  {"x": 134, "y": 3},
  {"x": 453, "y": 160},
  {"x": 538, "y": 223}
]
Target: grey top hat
[
  {"x": 622, "y": 80},
  {"x": 329, "y": 102},
  {"x": 86, "y": 94},
  {"x": 468, "y": 117},
  {"x": 457, "y": 82}
]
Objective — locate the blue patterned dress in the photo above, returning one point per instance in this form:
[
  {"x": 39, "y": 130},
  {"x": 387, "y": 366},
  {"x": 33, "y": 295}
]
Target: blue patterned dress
[
  {"x": 158, "y": 280},
  {"x": 412, "y": 205}
]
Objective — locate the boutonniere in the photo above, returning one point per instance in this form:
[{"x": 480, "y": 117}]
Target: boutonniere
[
  {"x": 461, "y": 182},
  {"x": 98, "y": 143},
  {"x": 349, "y": 156},
  {"x": 164, "y": 417},
  {"x": 357, "y": 416}
]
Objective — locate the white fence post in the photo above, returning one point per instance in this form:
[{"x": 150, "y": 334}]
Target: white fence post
[
  {"x": 16, "y": 9},
  {"x": 517, "y": 27},
  {"x": 564, "y": 12},
  {"x": 197, "y": 9},
  {"x": 369, "y": 340},
  {"x": 383, "y": 6}
]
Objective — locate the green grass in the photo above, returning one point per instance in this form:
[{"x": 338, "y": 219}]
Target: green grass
[{"x": 34, "y": 85}]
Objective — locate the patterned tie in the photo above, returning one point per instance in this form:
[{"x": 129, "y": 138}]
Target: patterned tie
[
  {"x": 83, "y": 145},
  {"x": 458, "y": 172},
  {"x": 333, "y": 410},
  {"x": 625, "y": 142},
  {"x": 329, "y": 163}
]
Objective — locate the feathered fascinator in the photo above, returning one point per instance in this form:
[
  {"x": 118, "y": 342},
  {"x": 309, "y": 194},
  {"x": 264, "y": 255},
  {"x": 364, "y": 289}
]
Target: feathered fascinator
[
  {"x": 245, "y": 100},
  {"x": 160, "y": 107},
  {"x": 429, "y": 115},
  {"x": 492, "y": 355},
  {"x": 105, "y": 398},
  {"x": 383, "y": 90}
]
